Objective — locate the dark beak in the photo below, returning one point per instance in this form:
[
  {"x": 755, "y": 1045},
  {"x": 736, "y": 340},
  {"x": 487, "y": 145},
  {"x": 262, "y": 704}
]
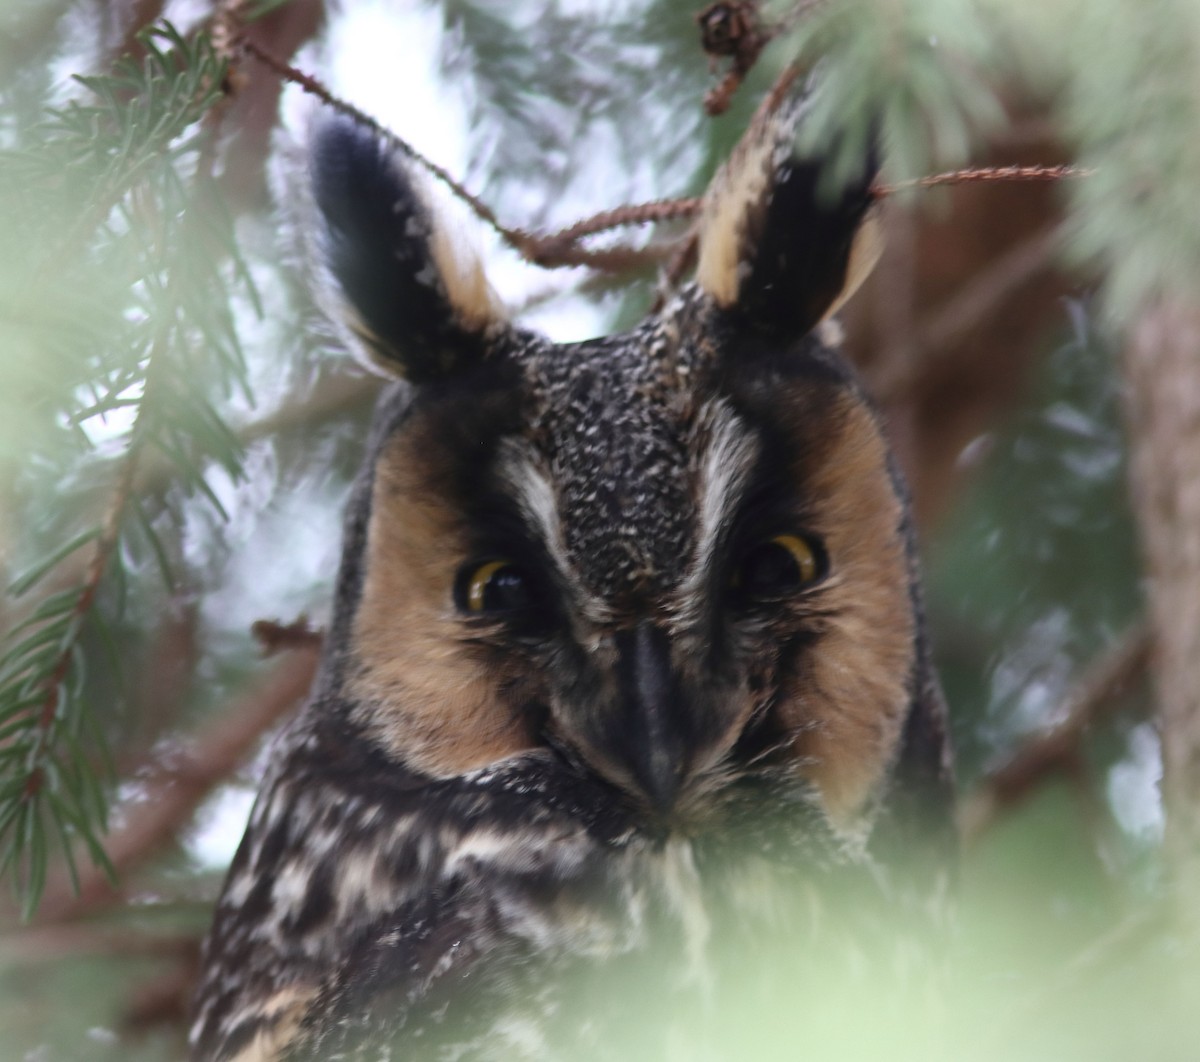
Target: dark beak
[{"x": 655, "y": 731}]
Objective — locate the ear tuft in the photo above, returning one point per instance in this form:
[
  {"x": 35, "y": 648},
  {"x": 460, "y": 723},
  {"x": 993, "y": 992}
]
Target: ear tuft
[
  {"x": 777, "y": 246},
  {"x": 415, "y": 303}
]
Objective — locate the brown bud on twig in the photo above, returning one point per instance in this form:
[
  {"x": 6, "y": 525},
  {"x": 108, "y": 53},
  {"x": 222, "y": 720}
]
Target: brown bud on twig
[
  {"x": 274, "y": 636},
  {"x": 730, "y": 29}
]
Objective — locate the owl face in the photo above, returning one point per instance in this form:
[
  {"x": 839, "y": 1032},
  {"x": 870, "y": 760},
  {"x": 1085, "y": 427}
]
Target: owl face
[
  {"x": 676, "y": 557},
  {"x": 668, "y": 571}
]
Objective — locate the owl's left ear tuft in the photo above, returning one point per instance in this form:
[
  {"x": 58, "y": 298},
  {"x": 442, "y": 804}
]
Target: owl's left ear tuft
[
  {"x": 415, "y": 301},
  {"x": 778, "y": 247}
]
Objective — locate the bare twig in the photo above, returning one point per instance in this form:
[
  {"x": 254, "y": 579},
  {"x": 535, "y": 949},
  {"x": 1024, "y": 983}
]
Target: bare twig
[
  {"x": 1101, "y": 683},
  {"x": 172, "y": 787},
  {"x": 1162, "y": 404},
  {"x": 550, "y": 251},
  {"x": 988, "y": 175},
  {"x": 315, "y": 88}
]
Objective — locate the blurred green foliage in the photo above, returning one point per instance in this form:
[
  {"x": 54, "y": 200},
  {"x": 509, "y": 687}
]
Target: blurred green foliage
[{"x": 118, "y": 261}]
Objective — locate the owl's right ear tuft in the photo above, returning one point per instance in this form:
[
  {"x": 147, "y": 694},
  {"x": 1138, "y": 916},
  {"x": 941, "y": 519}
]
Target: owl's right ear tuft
[
  {"x": 416, "y": 304},
  {"x": 778, "y": 248}
]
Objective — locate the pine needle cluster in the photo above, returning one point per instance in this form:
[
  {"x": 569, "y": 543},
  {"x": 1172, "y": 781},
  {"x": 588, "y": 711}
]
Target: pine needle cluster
[{"x": 115, "y": 312}]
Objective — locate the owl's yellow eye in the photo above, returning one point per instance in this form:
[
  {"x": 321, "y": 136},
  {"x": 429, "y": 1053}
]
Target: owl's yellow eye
[
  {"x": 493, "y": 586},
  {"x": 778, "y": 566}
]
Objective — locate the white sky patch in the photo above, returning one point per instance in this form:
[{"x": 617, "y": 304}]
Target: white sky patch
[
  {"x": 599, "y": 9},
  {"x": 1133, "y": 786},
  {"x": 220, "y": 824},
  {"x": 287, "y": 551}
]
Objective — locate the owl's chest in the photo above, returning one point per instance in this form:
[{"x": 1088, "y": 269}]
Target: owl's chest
[{"x": 662, "y": 955}]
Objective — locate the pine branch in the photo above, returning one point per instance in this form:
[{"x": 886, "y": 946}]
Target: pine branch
[
  {"x": 1109, "y": 675},
  {"x": 132, "y": 171}
]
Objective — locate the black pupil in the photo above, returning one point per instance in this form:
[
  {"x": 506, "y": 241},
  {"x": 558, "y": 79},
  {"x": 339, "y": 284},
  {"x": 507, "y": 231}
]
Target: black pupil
[
  {"x": 507, "y": 591},
  {"x": 770, "y": 569}
]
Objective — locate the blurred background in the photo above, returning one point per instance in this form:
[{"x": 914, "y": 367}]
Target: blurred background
[{"x": 178, "y": 431}]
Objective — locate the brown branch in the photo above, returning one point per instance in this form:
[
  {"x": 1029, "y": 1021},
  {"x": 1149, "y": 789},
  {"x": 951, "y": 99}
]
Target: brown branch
[
  {"x": 172, "y": 787},
  {"x": 48, "y": 944},
  {"x": 123, "y": 491},
  {"x": 336, "y": 397},
  {"x": 110, "y": 529},
  {"x": 105, "y": 544},
  {"x": 1161, "y": 362},
  {"x": 1102, "y": 681},
  {"x": 550, "y": 251},
  {"x": 989, "y": 289}
]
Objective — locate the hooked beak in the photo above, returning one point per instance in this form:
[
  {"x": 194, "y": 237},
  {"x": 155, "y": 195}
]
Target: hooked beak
[{"x": 654, "y": 733}]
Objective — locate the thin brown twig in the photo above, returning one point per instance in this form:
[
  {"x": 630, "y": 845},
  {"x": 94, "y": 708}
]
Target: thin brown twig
[
  {"x": 986, "y": 175},
  {"x": 654, "y": 212},
  {"x": 314, "y": 88},
  {"x": 550, "y": 251},
  {"x": 1102, "y": 681},
  {"x": 562, "y": 249}
]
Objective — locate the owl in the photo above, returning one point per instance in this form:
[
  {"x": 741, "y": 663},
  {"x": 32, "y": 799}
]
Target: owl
[{"x": 627, "y": 667}]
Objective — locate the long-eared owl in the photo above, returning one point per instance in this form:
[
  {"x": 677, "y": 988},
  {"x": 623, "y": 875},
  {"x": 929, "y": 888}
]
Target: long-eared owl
[{"x": 627, "y": 659}]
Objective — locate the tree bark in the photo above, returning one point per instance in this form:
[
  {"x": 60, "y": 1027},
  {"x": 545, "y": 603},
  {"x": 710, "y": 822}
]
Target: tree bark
[{"x": 1162, "y": 364}]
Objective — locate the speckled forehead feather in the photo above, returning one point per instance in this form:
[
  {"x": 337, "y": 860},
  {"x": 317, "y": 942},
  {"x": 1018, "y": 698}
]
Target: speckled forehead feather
[{"x": 615, "y": 422}]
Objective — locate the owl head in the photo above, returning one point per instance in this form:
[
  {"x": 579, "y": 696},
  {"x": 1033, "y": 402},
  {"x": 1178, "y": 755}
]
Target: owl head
[{"x": 677, "y": 559}]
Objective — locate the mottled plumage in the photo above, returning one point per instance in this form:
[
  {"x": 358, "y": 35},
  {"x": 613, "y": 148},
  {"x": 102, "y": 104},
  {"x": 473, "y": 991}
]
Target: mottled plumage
[{"x": 627, "y": 661}]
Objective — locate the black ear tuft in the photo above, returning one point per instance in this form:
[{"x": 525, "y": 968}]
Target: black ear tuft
[
  {"x": 778, "y": 247},
  {"x": 415, "y": 303}
]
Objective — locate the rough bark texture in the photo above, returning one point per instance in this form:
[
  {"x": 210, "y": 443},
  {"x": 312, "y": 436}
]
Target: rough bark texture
[{"x": 1163, "y": 409}]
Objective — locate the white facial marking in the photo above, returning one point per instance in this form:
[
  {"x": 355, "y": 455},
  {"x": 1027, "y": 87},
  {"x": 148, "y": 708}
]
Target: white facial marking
[{"x": 722, "y": 474}]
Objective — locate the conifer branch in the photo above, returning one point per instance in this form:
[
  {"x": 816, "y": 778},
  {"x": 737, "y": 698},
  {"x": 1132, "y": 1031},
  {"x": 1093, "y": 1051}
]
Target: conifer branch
[
  {"x": 133, "y": 168},
  {"x": 1107, "y": 676}
]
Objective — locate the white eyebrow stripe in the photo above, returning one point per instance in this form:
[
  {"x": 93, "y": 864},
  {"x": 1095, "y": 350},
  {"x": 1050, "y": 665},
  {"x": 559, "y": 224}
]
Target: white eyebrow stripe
[
  {"x": 523, "y": 470},
  {"x": 534, "y": 494},
  {"x": 722, "y": 476}
]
